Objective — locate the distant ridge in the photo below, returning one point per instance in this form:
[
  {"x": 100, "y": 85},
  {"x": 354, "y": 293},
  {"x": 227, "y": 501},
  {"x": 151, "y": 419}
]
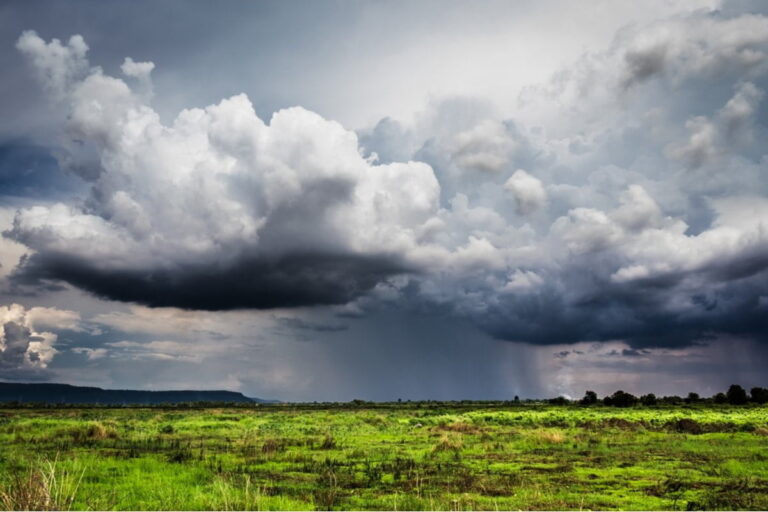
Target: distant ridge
[{"x": 68, "y": 394}]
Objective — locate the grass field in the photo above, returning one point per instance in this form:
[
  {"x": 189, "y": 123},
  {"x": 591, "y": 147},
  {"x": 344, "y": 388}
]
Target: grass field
[{"x": 411, "y": 456}]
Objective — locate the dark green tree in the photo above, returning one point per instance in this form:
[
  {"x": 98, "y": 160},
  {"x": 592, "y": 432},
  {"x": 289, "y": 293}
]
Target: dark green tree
[
  {"x": 590, "y": 397},
  {"x": 649, "y": 399},
  {"x": 736, "y": 395},
  {"x": 759, "y": 395},
  {"x": 620, "y": 399}
]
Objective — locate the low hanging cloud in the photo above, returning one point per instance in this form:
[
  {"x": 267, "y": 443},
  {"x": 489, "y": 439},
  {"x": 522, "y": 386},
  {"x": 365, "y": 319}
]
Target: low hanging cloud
[{"x": 640, "y": 214}]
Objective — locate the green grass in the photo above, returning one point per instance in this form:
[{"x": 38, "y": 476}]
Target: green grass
[{"x": 407, "y": 457}]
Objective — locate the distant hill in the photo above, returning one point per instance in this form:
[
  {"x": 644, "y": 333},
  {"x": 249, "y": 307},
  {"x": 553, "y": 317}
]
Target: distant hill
[{"x": 67, "y": 394}]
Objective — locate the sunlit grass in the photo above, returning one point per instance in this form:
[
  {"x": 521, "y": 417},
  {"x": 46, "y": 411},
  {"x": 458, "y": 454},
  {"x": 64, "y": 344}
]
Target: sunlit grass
[{"x": 415, "y": 457}]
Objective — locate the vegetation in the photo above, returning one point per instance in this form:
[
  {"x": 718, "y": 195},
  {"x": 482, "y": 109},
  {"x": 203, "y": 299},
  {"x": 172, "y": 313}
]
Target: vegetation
[{"x": 426, "y": 455}]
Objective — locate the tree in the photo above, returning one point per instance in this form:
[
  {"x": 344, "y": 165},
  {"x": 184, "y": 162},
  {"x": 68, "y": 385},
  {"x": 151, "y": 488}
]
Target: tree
[
  {"x": 720, "y": 398},
  {"x": 649, "y": 399},
  {"x": 620, "y": 399},
  {"x": 590, "y": 397},
  {"x": 759, "y": 395},
  {"x": 692, "y": 398},
  {"x": 736, "y": 395}
]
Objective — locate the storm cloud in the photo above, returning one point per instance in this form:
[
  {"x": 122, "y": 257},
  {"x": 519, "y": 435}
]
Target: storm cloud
[
  {"x": 624, "y": 199},
  {"x": 219, "y": 210}
]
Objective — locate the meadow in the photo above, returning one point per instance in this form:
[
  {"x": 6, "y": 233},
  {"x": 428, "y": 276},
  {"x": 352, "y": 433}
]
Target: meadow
[{"x": 426, "y": 456}]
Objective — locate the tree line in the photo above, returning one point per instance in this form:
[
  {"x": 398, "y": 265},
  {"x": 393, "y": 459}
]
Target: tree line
[{"x": 736, "y": 395}]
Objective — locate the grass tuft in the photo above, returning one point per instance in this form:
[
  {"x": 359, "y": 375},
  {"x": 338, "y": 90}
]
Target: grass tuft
[
  {"x": 329, "y": 443},
  {"x": 549, "y": 436},
  {"x": 47, "y": 487},
  {"x": 449, "y": 442}
]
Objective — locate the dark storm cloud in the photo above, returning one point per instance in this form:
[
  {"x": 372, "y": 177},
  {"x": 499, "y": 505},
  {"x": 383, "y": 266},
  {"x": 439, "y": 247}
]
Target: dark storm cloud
[
  {"x": 292, "y": 281},
  {"x": 641, "y": 315}
]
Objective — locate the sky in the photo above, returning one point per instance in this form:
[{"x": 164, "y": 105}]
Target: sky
[{"x": 336, "y": 200}]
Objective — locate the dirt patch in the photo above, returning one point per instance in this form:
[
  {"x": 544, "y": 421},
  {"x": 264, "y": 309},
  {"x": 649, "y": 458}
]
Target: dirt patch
[{"x": 685, "y": 426}]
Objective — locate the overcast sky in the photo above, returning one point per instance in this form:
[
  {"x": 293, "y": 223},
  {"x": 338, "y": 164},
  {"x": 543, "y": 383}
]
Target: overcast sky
[{"x": 379, "y": 200}]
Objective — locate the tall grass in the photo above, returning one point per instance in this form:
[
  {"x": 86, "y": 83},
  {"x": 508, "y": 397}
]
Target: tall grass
[{"x": 48, "y": 486}]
